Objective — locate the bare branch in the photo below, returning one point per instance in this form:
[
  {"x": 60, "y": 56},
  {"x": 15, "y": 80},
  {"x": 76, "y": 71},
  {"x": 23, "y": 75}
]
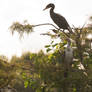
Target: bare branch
[
  {"x": 45, "y": 24},
  {"x": 20, "y": 28},
  {"x": 53, "y": 26},
  {"x": 82, "y": 27},
  {"x": 45, "y": 34}
]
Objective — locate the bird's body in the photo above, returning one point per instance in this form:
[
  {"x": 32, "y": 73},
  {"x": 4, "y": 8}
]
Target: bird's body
[
  {"x": 68, "y": 58},
  {"x": 59, "y": 20}
]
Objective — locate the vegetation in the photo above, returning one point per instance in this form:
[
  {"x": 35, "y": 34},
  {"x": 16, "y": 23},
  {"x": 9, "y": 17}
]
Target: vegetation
[{"x": 45, "y": 72}]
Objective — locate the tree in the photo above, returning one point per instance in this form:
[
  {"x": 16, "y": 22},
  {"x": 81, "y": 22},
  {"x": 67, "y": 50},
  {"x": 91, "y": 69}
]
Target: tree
[{"x": 47, "y": 70}]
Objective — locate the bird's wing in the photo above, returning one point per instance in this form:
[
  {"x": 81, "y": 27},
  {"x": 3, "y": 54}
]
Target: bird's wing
[
  {"x": 61, "y": 22},
  {"x": 65, "y": 23},
  {"x": 62, "y": 19}
]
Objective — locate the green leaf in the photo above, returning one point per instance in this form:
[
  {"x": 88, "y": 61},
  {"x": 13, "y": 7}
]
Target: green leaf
[
  {"x": 48, "y": 49},
  {"x": 23, "y": 75},
  {"x": 46, "y": 46},
  {"x": 74, "y": 89},
  {"x": 54, "y": 45},
  {"x": 38, "y": 90},
  {"x": 26, "y": 84},
  {"x": 52, "y": 42},
  {"x": 64, "y": 42}
]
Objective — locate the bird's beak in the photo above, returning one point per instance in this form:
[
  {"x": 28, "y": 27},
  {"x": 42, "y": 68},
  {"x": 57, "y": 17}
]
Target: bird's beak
[{"x": 45, "y": 9}]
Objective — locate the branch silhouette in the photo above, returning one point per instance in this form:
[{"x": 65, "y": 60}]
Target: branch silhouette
[
  {"x": 27, "y": 28},
  {"x": 53, "y": 26}
]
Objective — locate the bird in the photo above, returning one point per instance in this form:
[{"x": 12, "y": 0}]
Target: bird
[
  {"x": 59, "y": 20},
  {"x": 68, "y": 57}
]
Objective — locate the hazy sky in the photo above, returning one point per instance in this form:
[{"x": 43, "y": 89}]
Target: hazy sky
[{"x": 75, "y": 11}]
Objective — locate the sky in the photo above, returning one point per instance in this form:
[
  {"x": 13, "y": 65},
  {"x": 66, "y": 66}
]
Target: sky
[{"x": 76, "y": 12}]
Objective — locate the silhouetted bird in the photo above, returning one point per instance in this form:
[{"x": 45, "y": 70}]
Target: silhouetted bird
[{"x": 59, "y": 20}]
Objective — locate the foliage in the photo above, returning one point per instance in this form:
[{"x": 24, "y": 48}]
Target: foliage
[
  {"x": 7, "y": 74},
  {"x": 21, "y": 28},
  {"x": 45, "y": 72}
]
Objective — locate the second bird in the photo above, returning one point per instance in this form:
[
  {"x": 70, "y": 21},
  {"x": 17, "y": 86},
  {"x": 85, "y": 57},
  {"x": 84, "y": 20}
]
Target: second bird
[{"x": 59, "y": 20}]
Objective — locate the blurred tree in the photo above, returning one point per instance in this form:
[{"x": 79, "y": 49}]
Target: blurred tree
[{"x": 47, "y": 70}]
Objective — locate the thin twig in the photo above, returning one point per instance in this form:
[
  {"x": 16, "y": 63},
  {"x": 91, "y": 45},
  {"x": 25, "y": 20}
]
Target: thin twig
[
  {"x": 78, "y": 43},
  {"x": 45, "y": 34},
  {"x": 82, "y": 27}
]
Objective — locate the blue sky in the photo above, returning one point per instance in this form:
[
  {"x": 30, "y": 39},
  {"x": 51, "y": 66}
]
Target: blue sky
[{"x": 75, "y": 11}]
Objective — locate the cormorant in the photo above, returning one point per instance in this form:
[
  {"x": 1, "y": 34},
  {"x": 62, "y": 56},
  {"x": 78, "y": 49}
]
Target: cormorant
[{"x": 59, "y": 20}]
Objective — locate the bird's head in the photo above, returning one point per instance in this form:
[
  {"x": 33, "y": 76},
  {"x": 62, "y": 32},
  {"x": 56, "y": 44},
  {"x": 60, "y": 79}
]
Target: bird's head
[
  {"x": 68, "y": 40},
  {"x": 49, "y": 6}
]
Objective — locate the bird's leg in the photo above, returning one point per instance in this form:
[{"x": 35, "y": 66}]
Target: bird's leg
[
  {"x": 61, "y": 29},
  {"x": 54, "y": 30}
]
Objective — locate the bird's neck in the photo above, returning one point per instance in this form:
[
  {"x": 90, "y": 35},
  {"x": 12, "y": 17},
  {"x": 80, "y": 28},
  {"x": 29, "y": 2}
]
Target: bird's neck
[
  {"x": 69, "y": 44},
  {"x": 52, "y": 10}
]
